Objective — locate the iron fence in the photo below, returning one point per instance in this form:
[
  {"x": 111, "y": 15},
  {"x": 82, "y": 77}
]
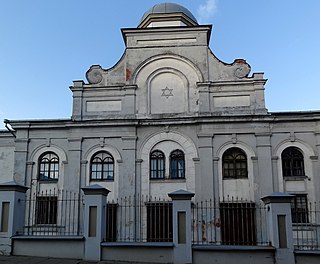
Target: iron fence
[
  {"x": 229, "y": 222},
  {"x": 306, "y": 227},
  {"x": 53, "y": 213},
  {"x": 142, "y": 218},
  {"x": 139, "y": 218}
]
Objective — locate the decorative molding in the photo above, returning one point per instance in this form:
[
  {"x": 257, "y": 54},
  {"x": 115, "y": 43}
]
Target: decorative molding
[
  {"x": 22, "y": 140},
  {"x": 102, "y": 142},
  {"x": 166, "y": 92},
  {"x": 215, "y": 158},
  {"x": 234, "y": 138},
  {"x": 264, "y": 145},
  {"x": 274, "y": 158},
  {"x": 48, "y": 142},
  {"x": 242, "y": 68},
  {"x": 314, "y": 157},
  {"x": 254, "y": 158},
  {"x": 263, "y": 134},
  {"x": 205, "y": 135},
  {"x": 292, "y": 137},
  {"x": 94, "y": 74},
  {"x": 129, "y": 138},
  {"x": 75, "y": 139}
]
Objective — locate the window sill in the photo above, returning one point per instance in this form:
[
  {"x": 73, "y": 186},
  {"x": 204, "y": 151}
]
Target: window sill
[
  {"x": 104, "y": 180},
  {"x": 295, "y": 178},
  {"x": 48, "y": 180},
  {"x": 230, "y": 178},
  {"x": 167, "y": 180},
  {"x": 46, "y": 237},
  {"x": 137, "y": 244}
]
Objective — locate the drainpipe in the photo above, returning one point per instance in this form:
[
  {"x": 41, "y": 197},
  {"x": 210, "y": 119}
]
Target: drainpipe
[{"x": 6, "y": 122}]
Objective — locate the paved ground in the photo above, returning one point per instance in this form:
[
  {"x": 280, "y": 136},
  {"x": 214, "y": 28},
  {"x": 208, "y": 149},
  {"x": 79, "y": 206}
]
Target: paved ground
[{"x": 38, "y": 260}]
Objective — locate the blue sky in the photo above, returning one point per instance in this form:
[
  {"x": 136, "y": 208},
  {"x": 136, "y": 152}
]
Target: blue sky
[{"x": 45, "y": 45}]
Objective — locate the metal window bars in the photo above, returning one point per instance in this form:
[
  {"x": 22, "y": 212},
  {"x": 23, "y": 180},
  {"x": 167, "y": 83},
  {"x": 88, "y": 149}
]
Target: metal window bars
[{"x": 53, "y": 213}]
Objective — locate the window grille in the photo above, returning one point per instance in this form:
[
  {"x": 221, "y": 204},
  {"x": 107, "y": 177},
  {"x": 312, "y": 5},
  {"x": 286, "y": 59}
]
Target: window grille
[
  {"x": 306, "y": 228},
  {"x": 46, "y": 210},
  {"x": 238, "y": 223},
  {"x": 139, "y": 219},
  {"x": 231, "y": 221},
  {"x": 53, "y": 213},
  {"x": 299, "y": 209},
  {"x": 111, "y": 222},
  {"x": 159, "y": 222}
]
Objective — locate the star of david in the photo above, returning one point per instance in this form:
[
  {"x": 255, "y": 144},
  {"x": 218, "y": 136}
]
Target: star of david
[{"x": 166, "y": 92}]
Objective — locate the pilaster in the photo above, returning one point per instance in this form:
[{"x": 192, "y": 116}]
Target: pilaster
[
  {"x": 279, "y": 223},
  {"x": 95, "y": 199},
  {"x": 182, "y": 233},
  {"x": 12, "y": 214}
]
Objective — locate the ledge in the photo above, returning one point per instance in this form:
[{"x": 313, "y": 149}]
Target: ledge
[
  {"x": 295, "y": 178},
  {"x": 232, "y": 248},
  {"x": 48, "y": 238},
  {"x": 13, "y": 186},
  {"x": 137, "y": 244},
  {"x": 95, "y": 189},
  {"x": 307, "y": 252}
]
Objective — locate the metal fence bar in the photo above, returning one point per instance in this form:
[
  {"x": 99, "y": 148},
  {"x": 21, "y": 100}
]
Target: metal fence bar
[
  {"x": 53, "y": 213},
  {"x": 154, "y": 217},
  {"x": 231, "y": 222},
  {"x": 306, "y": 227}
]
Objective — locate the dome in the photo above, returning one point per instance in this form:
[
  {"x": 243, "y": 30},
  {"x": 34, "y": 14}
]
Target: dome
[{"x": 169, "y": 10}]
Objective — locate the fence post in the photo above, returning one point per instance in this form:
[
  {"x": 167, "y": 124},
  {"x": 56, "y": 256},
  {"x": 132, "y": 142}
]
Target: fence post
[
  {"x": 12, "y": 212},
  {"x": 182, "y": 233},
  {"x": 279, "y": 223},
  {"x": 95, "y": 215}
]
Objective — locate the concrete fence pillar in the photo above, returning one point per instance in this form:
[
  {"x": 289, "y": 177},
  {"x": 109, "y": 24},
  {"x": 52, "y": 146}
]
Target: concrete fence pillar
[
  {"x": 95, "y": 220},
  {"x": 279, "y": 223},
  {"x": 182, "y": 233},
  {"x": 12, "y": 213}
]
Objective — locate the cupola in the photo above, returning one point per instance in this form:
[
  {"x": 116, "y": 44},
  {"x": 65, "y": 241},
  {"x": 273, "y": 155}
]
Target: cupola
[{"x": 167, "y": 15}]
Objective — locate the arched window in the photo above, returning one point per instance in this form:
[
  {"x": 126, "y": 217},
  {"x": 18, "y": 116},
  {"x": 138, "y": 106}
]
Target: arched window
[
  {"x": 48, "y": 166},
  {"x": 234, "y": 164},
  {"x": 102, "y": 166},
  {"x": 177, "y": 165},
  {"x": 157, "y": 165},
  {"x": 292, "y": 162}
]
